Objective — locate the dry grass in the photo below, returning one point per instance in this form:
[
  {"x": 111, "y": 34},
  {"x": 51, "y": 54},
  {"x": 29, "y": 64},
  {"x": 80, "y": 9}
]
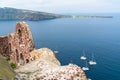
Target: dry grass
[{"x": 6, "y": 72}]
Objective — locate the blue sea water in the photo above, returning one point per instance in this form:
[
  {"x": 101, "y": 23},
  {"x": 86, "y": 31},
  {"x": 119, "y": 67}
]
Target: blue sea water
[{"x": 70, "y": 37}]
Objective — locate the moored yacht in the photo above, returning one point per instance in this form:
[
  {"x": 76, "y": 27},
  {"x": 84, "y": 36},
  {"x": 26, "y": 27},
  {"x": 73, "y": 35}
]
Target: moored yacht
[
  {"x": 92, "y": 61},
  {"x": 56, "y": 51},
  {"x": 85, "y": 68},
  {"x": 83, "y": 57}
]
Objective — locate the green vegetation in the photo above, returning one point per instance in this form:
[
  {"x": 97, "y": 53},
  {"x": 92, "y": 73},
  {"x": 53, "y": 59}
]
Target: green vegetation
[
  {"x": 13, "y": 65},
  {"x": 6, "y": 72},
  {"x": 7, "y": 59}
]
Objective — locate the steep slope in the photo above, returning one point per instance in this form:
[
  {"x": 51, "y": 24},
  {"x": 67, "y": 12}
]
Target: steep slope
[
  {"x": 21, "y": 14},
  {"x": 6, "y": 73}
]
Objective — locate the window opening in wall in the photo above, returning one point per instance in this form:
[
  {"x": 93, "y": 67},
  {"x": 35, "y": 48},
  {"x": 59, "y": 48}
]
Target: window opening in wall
[
  {"x": 20, "y": 36},
  {"x": 27, "y": 61},
  {"x": 21, "y": 59},
  {"x": 17, "y": 55}
]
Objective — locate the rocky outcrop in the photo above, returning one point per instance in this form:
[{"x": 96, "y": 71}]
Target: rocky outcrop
[
  {"x": 45, "y": 66},
  {"x": 44, "y": 53}
]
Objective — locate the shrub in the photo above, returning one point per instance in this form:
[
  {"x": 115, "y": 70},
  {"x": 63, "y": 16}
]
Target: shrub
[
  {"x": 8, "y": 59},
  {"x": 13, "y": 65}
]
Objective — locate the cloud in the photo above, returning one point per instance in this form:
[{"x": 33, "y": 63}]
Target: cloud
[{"x": 64, "y": 5}]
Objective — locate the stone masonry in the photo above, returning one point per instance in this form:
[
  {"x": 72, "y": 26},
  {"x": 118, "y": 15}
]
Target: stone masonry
[{"x": 18, "y": 45}]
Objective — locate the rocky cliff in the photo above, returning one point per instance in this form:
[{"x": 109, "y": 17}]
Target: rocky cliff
[
  {"x": 47, "y": 67},
  {"x": 44, "y": 53}
]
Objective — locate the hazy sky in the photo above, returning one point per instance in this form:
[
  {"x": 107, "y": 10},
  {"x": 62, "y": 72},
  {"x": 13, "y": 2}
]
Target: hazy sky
[{"x": 65, "y": 6}]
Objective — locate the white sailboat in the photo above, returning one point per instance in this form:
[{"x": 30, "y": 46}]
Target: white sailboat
[
  {"x": 89, "y": 79},
  {"x": 56, "y": 51},
  {"x": 86, "y": 68},
  {"x": 83, "y": 57},
  {"x": 92, "y": 62}
]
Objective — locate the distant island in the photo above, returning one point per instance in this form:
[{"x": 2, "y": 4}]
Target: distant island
[
  {"x": 87, "y": 16},
  {"x": 7, "y": 13}
]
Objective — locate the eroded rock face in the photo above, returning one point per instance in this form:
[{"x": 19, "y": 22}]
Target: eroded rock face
[
  {"x": 44, "y": 53},
  {"x": 45, "y": 66},
  {"x": 41, "y": 69}
]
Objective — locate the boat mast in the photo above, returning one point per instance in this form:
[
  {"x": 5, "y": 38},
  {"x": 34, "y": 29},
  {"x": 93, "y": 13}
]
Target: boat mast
[
  {"x": 86, "y": 64},
  {"x": 83, "y": 53},
  {"x": 93, "y": 57}
]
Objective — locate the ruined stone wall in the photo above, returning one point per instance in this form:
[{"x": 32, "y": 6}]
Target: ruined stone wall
[
  {"x": 4, "y": 46},
  {"x": 22, "y": 44},
  {"x": 18, "y": 45}
]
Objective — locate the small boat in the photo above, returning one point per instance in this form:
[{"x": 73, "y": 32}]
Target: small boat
[
  {"x": 92, "y": 62},
  {"x": 56, "y": 52},
  {"x": 89, "y": 79},
  {"x": 86, "y": 68},
  {"x": 83, "y": 57}
]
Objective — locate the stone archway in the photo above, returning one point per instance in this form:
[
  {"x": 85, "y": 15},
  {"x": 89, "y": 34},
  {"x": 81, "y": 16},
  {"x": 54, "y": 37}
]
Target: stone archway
[
  {"x": 21, "y": 59},
  {"x": 20, "y": 36},
  {"x": 17, "y": 56},
  {"x": 27, "y": 61},
  {"x": 10, "y": 47}
]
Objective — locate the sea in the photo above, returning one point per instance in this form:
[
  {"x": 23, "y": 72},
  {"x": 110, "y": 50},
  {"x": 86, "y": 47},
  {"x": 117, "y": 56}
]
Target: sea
[{"x": 71, "y": 36}]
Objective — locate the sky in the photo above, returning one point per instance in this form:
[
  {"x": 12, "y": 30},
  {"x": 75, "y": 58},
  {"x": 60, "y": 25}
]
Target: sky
[{"x": 65, "y": 6}]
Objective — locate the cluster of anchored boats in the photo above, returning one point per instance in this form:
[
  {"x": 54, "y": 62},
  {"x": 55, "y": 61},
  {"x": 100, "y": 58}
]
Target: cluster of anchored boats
[
  {"x": 91, "y": 62},
  {"x": 84, "y": 58}
]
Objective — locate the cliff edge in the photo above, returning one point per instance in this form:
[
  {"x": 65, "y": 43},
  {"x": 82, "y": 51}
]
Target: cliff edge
[
  {"x": 35, "y": 64},
  {"x": 47, "y": 67}
]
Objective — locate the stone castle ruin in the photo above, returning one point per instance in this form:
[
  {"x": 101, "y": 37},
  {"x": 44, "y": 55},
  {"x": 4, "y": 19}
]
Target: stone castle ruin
[{"x": 18, "y": 45}]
